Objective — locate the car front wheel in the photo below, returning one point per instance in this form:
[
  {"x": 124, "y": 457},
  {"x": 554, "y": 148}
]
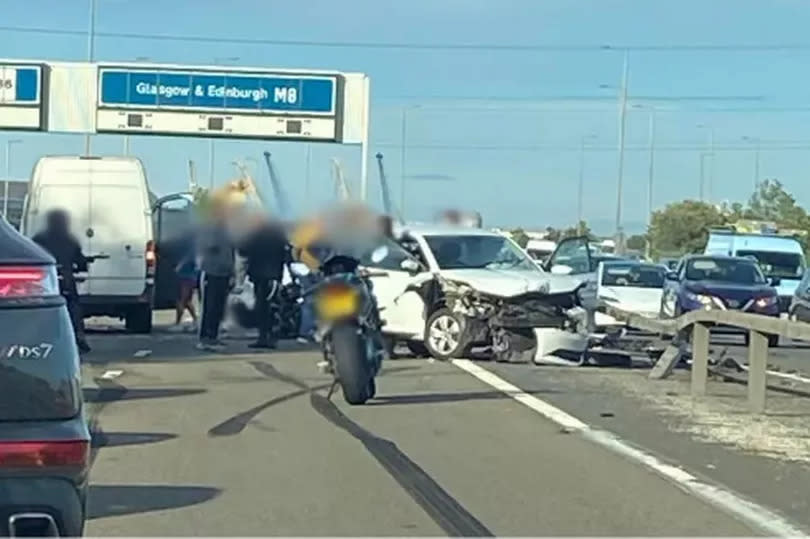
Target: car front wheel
[{"x": 445, "y": 335}]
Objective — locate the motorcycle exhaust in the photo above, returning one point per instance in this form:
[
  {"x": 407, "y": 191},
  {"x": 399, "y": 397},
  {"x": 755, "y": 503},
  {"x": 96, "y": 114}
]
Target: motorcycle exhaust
[{"x": 32, "y": 525}]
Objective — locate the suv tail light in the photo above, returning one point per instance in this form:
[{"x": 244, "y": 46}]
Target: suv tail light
[
  {"x": 151, "y": 258},
  {"x": 36, "y": 454},
  {"x": 28, "y": 281}
]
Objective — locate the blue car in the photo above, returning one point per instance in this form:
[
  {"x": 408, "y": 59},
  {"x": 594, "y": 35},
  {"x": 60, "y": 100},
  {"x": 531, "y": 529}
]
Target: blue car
[{"x": 719, "y": 282}]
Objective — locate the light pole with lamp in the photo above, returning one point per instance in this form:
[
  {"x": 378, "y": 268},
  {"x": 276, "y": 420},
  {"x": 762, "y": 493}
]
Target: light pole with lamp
[{"x": 8, "y": 175}]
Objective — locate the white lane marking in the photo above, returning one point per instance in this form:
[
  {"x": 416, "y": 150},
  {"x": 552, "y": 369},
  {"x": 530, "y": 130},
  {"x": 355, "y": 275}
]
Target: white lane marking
[
  {"x": 745, "y": 510},
  {"x": 109, "y": 375}
]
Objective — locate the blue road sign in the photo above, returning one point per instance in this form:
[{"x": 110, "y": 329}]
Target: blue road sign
[
  {"x": 20, "y": 85},
  {"x": 219, "y": 91}
]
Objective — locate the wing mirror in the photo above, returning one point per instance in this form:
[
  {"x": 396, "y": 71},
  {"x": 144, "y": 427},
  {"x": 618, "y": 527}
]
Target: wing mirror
[
  {"x": 410, "y": 265},
  {"x": 561, "y": 269},
  {"x": 671, "y": 276},
  {"x": 775, "y": 281}
]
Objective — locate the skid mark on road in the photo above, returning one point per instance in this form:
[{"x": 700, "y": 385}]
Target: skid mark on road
[
  {"x": 450, "y": 515},
  {"x": 236, "y": 424}
]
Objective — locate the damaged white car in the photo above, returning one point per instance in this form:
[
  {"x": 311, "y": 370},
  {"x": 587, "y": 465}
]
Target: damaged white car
[{"x": 453, "y": 289}]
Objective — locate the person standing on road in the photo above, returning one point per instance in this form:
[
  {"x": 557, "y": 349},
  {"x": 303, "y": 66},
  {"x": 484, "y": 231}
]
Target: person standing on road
[
  {"x": 188, "y": 278},
  {"x": 66, "y": 249},
  {"x": 266, "y": 252},
  {"x": 216, "y": 252}
]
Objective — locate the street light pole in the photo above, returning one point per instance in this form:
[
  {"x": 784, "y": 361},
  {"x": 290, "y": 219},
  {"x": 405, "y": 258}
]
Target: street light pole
[
  {"x": 702, "y": 177},
  {"x": 403, "y": 143},
  {"x": 756, "y": 167},
  {"x": 7, "y": 175},
  {"x": 581, "y": 184},
  {"x": 211, "y": 163},
  {"x": 620, "y": 179},
  {"x": 307, "y": 175}
]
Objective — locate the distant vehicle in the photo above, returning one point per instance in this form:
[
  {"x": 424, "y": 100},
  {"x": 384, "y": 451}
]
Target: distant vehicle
[
  {"x": 631, "y": 286},
  {"x": 780, "y": 257},
  {"x": 719, "y": 282},
  {"x": 540, "y": 250},
  {"x": 800, "y": 303},
  {"x": 44, "y": 438},
  {"x": 109, "y": 203}
]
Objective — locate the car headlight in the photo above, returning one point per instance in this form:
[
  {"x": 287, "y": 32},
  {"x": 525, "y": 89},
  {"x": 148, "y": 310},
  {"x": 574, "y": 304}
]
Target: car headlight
[
  {"x": 703, "y": 299},
  {"x": 766, "y": 301}
]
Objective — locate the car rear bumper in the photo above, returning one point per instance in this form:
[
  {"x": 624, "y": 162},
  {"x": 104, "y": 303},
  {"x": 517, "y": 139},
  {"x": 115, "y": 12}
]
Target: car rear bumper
[{"x": 57, "y": 497}]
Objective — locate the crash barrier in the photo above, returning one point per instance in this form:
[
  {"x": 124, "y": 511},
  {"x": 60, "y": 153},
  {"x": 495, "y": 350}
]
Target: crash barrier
[{"x": 698, "y": 323}]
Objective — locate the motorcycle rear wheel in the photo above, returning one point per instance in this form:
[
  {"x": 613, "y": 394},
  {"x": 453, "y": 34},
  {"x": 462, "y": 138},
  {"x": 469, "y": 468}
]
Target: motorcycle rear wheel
[{"x": 351, "y": 364}]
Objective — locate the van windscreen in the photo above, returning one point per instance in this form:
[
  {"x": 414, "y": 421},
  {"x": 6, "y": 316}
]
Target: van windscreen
[{"x": 776, "y": 264}]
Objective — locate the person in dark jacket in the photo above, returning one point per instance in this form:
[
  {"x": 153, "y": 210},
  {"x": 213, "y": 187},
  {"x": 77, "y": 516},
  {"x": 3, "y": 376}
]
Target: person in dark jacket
[
  {"x": 266, "y": 251},
  {"x": 65, "y": 248}
]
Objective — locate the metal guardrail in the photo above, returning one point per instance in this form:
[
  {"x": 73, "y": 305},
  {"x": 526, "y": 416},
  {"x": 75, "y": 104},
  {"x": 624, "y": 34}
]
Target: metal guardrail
[{"x": 699, "y": 322}]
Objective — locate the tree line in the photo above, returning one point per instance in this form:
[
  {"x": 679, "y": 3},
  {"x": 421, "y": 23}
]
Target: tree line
[{"x": 683, "y": 227}]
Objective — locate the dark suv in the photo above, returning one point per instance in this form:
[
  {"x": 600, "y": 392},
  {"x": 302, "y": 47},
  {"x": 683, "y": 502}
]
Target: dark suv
[{"x": 44, "y": 439}]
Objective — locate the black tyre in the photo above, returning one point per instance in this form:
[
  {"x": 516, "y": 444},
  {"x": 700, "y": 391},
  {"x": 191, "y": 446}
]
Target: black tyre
[
  {"x": 139, "y": 319},
  {"x": 446, "y": 335},
  {"x": 351, "y": 364},
  {"x": 418, "y": 349}
]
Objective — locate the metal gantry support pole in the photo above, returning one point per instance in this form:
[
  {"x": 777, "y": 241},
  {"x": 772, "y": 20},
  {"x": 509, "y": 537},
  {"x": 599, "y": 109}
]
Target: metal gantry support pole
[
  {"x": 6, "y": 179},
  {"x": 91, "y": 54},
  {"x": 364, "y": 143}
]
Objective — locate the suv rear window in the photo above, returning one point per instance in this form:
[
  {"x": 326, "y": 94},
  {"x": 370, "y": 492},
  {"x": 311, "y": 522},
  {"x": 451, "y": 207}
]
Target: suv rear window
[{"x": 39, "y": 370}]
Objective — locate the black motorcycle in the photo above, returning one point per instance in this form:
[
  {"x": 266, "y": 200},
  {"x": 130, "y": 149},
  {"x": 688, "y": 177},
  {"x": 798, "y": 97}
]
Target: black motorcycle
[{"x": 349, "y": 326}]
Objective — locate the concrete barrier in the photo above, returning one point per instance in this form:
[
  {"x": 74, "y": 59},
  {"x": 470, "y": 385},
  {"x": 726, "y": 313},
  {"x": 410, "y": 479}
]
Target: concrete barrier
[{"x": 699, "y": 323}]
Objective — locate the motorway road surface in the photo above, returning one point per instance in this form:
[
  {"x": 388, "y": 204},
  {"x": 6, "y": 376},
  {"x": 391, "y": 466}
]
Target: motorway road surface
[{"x": 247, "y": 444}]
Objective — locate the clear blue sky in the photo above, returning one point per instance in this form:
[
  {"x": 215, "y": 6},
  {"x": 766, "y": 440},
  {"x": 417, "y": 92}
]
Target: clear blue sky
[{"x": 538, "y": 102}]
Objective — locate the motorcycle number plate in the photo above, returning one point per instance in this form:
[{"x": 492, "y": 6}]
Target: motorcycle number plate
[{"x": 332, "y": 306}]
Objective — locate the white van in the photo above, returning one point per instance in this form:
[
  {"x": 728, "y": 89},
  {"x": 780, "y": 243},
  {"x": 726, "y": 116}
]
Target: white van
[{"x": 109, "y": 205}]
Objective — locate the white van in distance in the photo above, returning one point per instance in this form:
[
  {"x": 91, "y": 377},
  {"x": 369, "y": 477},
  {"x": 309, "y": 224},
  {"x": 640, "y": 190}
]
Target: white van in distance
[{"x": 109, "y": 205}]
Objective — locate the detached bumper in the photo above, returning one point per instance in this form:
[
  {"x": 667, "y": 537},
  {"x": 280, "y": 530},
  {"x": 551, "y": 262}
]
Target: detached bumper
[{"x": 553, "y": 344}]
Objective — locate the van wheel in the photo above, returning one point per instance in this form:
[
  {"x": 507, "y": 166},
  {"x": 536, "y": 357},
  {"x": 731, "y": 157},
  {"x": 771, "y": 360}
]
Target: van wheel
[{"x": 139, "y": 319}]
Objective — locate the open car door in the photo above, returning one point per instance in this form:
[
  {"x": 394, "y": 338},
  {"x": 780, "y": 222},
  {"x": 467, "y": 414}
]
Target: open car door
[
  {"x": 573, "y": 256},
  {"x": 173, "y": 225}
]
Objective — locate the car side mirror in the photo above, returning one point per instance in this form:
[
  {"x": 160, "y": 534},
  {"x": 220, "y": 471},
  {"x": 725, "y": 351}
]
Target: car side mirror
[
  {"x": 671, "y": 276},
  {"x": 410, "y": 265},
  {"x": 561, "y": 269},
  {"x": 775, "y": 281}
]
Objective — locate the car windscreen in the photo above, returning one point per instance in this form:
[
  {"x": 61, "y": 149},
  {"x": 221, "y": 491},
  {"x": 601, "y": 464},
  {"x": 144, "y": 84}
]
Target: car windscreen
[
  {"x": 775, "y": 264},
  {"x": 633, "y": 275},
  {"x": 477, "y": 251},
  {"x": 728, "y": 270}
]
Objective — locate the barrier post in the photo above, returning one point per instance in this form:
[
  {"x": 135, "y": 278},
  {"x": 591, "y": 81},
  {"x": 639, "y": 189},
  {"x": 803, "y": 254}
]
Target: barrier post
[
  {"x": 757, "y": 366},
  {"x": 700, "y": 358}
]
